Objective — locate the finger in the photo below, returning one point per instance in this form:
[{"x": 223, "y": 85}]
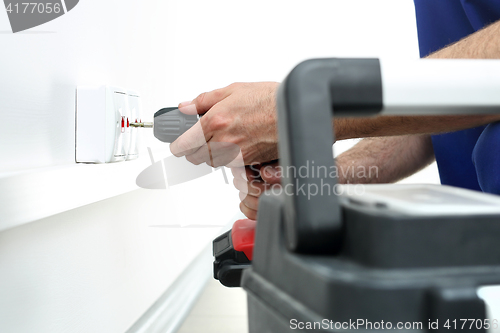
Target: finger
[
  {"x": 188, "y": 108},
  {"x": 240, "y": 173},
  {"x": 205, "y": 101},
  {"x": 271, "y": 173},
  {"x": 242, "y": 196},
  {"x": 237, "y": 160},
  {"x": 250, "y": 213},
  {"x": 226, "y": 154},
  {"x": 200, "y": 156},
  {"x": 249, "y": 200},
  {"x": 190, "y": 141},
  {"x": 255, "y": 187},
  {"x": 241, "y": 185}
]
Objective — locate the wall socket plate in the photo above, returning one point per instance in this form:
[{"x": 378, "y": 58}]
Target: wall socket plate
[
  {"x": 103, "y": 117},
  {"x": 135, "y": 106}
]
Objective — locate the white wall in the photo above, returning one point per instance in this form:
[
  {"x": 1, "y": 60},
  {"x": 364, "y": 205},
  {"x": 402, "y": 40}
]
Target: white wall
[
  {"x": 218, "y": 42},
  {"x": 76, "y": 263}
]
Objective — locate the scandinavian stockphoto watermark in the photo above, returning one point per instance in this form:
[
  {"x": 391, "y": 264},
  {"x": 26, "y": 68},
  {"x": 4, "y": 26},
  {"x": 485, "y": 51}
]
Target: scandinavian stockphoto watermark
[
  {"x": 24, "y": 15},
  {"x": 211, "y": 157},
  {"x": 311, "y": 171},
  {"x": 173, "y": 171}
]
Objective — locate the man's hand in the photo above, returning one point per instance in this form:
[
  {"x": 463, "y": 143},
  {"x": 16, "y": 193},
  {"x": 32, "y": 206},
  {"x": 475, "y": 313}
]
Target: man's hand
[
  {"x": 242, "y": 115},
  {"x": 252, "y": 181}
]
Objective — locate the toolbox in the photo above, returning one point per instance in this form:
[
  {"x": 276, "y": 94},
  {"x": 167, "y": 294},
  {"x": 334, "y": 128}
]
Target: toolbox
[{"x": 372, "y": 257}]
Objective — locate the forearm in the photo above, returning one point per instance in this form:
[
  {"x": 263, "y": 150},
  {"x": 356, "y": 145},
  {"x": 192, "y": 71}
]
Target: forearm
[
  {"x": 484, "y": 44},
  {"x": 385, "y": 160},
  {"x": 349, "y": 128}
]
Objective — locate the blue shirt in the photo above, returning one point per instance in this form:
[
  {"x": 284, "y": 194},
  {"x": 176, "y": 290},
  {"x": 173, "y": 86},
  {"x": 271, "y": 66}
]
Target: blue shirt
[{"x": 469, "y": 158}]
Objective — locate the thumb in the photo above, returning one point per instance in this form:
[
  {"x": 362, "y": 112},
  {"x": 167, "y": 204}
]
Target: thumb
[{"x": 205, "y": 101}]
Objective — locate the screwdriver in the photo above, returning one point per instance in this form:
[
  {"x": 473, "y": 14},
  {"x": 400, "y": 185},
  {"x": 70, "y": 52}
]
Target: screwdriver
[{"x": 169, "y": 124}]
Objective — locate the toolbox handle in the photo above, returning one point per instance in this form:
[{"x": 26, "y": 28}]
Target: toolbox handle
[{"x": 312, "y": 93}]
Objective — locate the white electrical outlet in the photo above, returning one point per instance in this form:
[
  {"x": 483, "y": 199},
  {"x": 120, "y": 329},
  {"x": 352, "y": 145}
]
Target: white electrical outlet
[
  {"x": 135, "y": 106},
  {"x": 103, "y": 132}
]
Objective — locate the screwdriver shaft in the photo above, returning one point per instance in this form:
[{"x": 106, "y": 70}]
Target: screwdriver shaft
[{"x": 143, "y": 124}]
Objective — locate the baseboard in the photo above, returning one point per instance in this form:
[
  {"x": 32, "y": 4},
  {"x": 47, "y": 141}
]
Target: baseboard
[{"x": 167, "y": 314}]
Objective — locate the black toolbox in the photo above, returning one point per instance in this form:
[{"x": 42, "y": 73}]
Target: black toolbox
[{"x": 339, "y": 263}]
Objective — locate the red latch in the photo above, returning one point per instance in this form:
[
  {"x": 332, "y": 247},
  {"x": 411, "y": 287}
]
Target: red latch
[{"x": 243, "y": 236}]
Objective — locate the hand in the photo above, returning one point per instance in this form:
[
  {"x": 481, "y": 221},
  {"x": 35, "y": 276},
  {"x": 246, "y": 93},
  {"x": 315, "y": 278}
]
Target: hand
[
  {"x": 252, "y": 181},
  {"x": 239, "y": 120}
]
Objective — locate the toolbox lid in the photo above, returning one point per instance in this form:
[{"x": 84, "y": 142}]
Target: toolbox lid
[{"x": 421, "y": 200}]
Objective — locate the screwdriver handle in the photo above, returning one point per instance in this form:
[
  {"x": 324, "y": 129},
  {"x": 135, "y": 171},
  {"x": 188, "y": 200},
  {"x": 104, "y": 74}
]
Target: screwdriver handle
[{"x": 170, "y": 123}]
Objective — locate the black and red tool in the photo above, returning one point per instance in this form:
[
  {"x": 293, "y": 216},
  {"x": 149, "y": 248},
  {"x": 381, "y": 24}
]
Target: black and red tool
[{"x": 233, "y": 252}]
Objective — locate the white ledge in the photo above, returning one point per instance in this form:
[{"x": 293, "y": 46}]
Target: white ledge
[{"x": 35, "y": 194}]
